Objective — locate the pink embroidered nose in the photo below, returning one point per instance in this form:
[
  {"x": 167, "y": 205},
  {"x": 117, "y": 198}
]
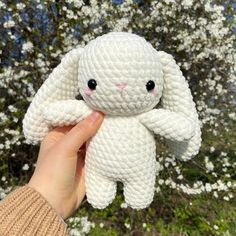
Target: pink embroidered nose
[{"x": 121, "y": 86}]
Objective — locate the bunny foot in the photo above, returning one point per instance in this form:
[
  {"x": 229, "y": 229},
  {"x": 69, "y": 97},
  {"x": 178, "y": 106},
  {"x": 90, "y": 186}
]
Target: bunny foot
[
  {"x": 100, "y": 190},
  {"x": 139, "y": 195}
]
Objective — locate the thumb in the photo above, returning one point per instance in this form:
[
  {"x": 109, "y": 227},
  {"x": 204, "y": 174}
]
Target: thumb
[{"x": 81, "y": 132}]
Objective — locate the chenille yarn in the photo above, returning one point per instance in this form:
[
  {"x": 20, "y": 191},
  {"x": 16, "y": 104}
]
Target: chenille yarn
[{"x": 124, "y": 147}]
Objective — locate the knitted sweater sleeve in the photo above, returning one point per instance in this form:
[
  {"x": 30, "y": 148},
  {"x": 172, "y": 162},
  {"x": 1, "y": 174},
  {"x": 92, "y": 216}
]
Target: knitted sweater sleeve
[{"x": 26, "y": 212}]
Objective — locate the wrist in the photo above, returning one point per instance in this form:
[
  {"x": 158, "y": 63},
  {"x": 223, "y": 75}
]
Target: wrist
[{"x": 45, "y": 194}]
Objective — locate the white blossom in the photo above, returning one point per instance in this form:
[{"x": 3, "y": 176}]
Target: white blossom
[
  {"x": 27, "y": 47},
  {"x": 127, "y": 225},
  {"x": 25, "y": 167},
  {"x": 20, "y": 6},
  {"x": 3, "y": 178},
  {"x": 124, "y": 205},
  {"x": 9, "y": 24},
  {"x": 215, "y": 227}
]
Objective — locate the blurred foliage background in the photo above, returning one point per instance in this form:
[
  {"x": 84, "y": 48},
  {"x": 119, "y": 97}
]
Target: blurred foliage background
[{"x": 192, "y": 198}]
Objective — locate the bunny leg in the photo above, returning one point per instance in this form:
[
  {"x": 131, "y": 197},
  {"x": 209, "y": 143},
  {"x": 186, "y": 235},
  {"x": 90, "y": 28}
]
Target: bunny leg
[
  {"x": 139, "y": 193},
  {"x": 100, "y": 190}
]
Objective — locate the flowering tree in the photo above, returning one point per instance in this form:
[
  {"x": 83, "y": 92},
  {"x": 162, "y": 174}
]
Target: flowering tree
[{"x": 200, "y": 34}]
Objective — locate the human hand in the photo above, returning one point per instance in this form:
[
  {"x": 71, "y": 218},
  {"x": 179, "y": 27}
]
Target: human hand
[{"x": 59, "y": 172}]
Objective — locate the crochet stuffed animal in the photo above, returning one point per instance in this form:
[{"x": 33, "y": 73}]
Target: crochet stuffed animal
[{"x": 123, "y": 76}]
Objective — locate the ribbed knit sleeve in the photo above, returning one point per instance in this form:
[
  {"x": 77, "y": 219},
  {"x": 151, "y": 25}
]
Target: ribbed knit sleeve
[{"x": 26, "y": 212}]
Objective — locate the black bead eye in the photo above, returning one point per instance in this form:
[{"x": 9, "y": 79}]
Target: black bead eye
[
  {"x": 150, "y": 85},
  {"x": 92, "y": 84}
]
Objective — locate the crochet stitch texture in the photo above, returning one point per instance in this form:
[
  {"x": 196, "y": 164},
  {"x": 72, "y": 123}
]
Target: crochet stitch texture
[{"x": 119, "y": 67}]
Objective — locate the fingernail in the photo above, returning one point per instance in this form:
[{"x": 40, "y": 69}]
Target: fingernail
[{"x": 95, "y": 116}]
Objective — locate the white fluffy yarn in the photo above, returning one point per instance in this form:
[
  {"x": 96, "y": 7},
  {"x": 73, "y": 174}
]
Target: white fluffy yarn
[{"x": 124, "y": 147}]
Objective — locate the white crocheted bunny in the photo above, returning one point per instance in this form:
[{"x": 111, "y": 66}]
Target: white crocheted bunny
[{"x": 123, "y": 76}]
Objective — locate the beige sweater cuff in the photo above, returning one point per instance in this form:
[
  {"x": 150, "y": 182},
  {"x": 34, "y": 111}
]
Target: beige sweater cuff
[{"x": 26, "y": 212}]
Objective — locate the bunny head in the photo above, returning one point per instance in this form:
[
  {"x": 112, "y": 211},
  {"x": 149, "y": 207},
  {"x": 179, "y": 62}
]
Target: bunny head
[{"x": 120, "y": 74}]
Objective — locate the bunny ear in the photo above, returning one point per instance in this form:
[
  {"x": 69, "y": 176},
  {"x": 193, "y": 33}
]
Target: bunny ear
[
  {"x": 177, "y": 97},
  {"x": 62, "y": 84}
]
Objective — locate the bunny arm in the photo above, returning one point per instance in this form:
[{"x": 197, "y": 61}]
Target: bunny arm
[
  {"x": 169, "y": 124},
  {"x": 66, "y": 112}
]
